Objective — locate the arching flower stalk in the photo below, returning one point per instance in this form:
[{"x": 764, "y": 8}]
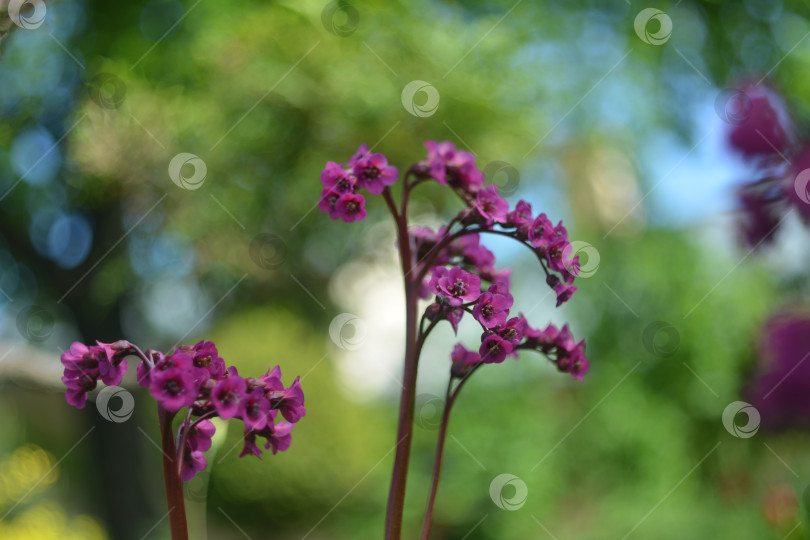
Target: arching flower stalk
[{"x": 451, "y": 266}]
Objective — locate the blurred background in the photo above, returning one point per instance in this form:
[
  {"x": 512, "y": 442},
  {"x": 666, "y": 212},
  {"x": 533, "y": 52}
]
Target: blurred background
[{"x": 604, "y": 116}]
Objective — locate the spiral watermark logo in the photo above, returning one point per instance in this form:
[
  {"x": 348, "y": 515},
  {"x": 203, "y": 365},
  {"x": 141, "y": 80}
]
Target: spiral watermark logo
[
  {"x": 751, "y": 426},
  {"x": 184, "y": 160},
  {"x": 508, "y": 492},
  {"x": 348, "y": 331},
  {"x": 28, "y": 14},
  {"x": 800, "y": 185},
  {"x": 586, "y": 251},
  {"x": 35, "y": 323},
  {"x": 268, "y": 250},
  {"x": 661, "y": 339},
  {"x": 107, "y": 90},
  {"x": 340, "y": 18},
  {"x": 419, "y": 88},
  {"x": 428, "y": 411},
  {"x": 504, "y": 175},
  {"x": 733, "y": 106},
  {"x": 105, "y": 408},
  {"x": 653, "y": 26},
  {"x": 196, "y": 489}
]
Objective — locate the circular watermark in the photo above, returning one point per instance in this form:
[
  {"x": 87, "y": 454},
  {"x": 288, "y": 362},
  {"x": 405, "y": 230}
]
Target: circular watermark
[
  {"x": 431, "y": 100},
  {"x": 504, "y": 175},
  {"x": 268, "y": 250},
  {"x": 104, "y": 405},
  {"x": 196, "y": 489},
  {"x": 35, "y": 323},
  {"x": 107, "y": 90},
  {"x": 751, "y": 426},
  {"x": 348, "y": 331},
  {"x": 653, "y": 26},
  {"x": 733, "y": 106},
  {"x": 661, "y": 339},
  {"x": 340, "y": 18},
  {"x": 186, "y": 160},
  {"x": 590, "y": 265},
  {"x": 498, "y": 492},
  {"x": 800, "y": 185},
  {"x": 28, "y": 14},
  {"x": 428, "y": 411}
]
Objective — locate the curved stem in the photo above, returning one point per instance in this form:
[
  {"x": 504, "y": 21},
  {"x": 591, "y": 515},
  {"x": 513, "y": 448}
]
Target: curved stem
[
  {"x": 171, "y": 478},
  {"x": 437, "y": 462},
  {"x": 437, "y": 249}
]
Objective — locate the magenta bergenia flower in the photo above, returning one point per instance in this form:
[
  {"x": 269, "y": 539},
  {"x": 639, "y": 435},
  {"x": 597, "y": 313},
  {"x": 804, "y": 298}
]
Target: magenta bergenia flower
[
  {"x": 334, "y": 177},
  {"x": 207, "y": 357},
  {"x": 351, "y": 207},
  {"x": 494, "y": 348},
  {"x": 448, "y": 165},
  {"x": 195, "y": 377},
  {"x": 492, "y": 309},
  {"x": 374, "y": 173},
  {"x": 290, "y": 400},
  {"x": 174, "y": 388},
  {"x": 541, "y": 233},
  {"x": 521, "y": 219},
  {"x": 462, "y": 360},
  {"x": 492, "y": 207},
  {"x": 256, "y": 412},
  {"x": 228, "y": 395},
  {"x": 193, "y": 462},
  {"x": 457, "y": 286},
  {"x": 760, "y": 125}
]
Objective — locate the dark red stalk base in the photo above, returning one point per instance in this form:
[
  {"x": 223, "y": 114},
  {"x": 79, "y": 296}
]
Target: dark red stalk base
[{"x": 171, "y": 478}]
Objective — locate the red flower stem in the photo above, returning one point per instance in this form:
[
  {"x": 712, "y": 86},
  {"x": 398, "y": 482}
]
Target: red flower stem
[
  {"x": 171, "y": 478},
  {"x": 396, "y": 495},
  {"x": 437, "y": 462},
  {"x": 444, "y": 242}
]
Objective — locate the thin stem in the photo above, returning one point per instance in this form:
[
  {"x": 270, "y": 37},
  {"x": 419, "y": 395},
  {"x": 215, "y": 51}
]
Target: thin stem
[
  {"x": 443, "y": 243},
  {"x": 451, "y": 396},
  {"x": 171, "y": 478},
  {"x": 437, "y": 463},
  {"x": 396, "y": 495}
]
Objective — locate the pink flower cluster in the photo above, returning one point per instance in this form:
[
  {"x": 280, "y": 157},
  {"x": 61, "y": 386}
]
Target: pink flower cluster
[
  {"x": 84, "y": 366},
  {"x": 339, "y": 197},
  {"x": 761, "y": 132},
  {"x": 453, "y": 261},
  {"x": 502, "y": 335},
  {"x": 193, "y": 377}
]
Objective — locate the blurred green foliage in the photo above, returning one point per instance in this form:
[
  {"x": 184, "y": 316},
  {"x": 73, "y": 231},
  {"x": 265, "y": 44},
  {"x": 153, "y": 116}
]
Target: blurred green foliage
[{"x": 265, "y": 94}]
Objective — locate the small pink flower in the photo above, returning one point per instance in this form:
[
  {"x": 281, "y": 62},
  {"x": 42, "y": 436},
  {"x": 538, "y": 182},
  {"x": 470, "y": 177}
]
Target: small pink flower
[
  {"x": 351, "y": 207},
  {"x": 513, "y": 330},
  {"x": 174, "y": 388},
  {"x": 463, "y": 359},
  {"x": 556, "y": 254},
  {"x": 227, "y": 396},
  {"x": 456, "y": 285},
  {"x": 326, "y": 203},
  {"x": 494, "y": 348},
  {"x": 492, "y": 309},
  {"x": 256, "y": 413},
  {"x": 374, "y": 173},
  {"x": 492, "y": 207},
  {"x": 449, "y": 165},
  {"x": 521, "y": 218},
  {"x": 193, "y": 462},
  {"x": 336, "y": 178},
  {"x": 541, "y": 233}
]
